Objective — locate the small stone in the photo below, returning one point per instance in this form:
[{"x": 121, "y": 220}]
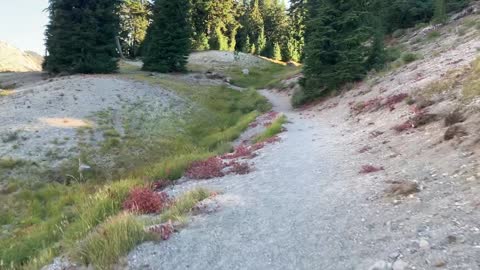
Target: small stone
[
  {"x": 399, "y": 265},
  {"x": 423, "y": 244},
  {"x": 439, "y": 262},
  {"x": 381, "y": 265},
  {"x": 246, "y": 71}
]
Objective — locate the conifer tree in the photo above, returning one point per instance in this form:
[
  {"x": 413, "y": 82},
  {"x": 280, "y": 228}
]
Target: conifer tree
[
  {"x": 169, "y": 40},
  {"x": 336, "y": 45},
  {"x": 277, "y": 52},
  {"x": 80, "y": 37},
  {"x": 440, "y": 13}
]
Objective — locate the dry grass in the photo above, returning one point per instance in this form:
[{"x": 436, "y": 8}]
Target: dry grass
[{"x": 471, "y": 88}]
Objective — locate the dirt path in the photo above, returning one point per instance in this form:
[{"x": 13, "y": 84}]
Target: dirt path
[{"x": 304, "y": 207}]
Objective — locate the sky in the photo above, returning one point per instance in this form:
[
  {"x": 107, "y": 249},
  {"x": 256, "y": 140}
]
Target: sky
[{"x": 22, "y": 23}]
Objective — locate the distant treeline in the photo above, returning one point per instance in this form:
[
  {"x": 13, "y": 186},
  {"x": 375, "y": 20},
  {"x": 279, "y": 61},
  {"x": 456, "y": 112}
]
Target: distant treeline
[{"x": 339, "y": 41}]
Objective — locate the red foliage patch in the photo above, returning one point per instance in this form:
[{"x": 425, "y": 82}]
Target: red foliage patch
[
  {"x": 271, "y": 115},
  {"x": 403, "y": 127},
  {"x": 164, "y": 230},
  {"x": 394, "y": 99},
  {"x": 240, "y": 151},
  {"x": 240, "y": 168},
  {"x": 370, "y": 169},
  {"x": 367, "y": 106},
  {"x": 161, "y": 184},
  {"x": 146, "y": 201},
  {"x": 206, "y": 169}
]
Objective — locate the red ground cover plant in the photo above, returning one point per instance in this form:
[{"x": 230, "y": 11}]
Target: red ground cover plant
[
  {"x": 160, "y": 185},
  {"x": 394, "y": 99},
  {"x": 403, "y": 127},
  {"x": 146, "y": 201},
  {"x": 240, "y": 168},
  {"x": 367, "y": 106},
  {"x": 206, "y": 169},
  {"x": 240, "y": 151},
  {"x": 370, "y": 169},
  {"x": 164, "y": 230},
  {"x": 271, "y": 115}
]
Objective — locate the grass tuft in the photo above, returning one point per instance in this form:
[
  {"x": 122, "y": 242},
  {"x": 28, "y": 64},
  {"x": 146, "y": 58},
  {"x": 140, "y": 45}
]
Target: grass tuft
[
  {"x": 275, "y": 128},
  {"x": 117, "y": 236}
]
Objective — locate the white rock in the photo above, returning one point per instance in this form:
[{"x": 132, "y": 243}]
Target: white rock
[
  {"x": 423, "y": 244},
  {"x": 399, "y": 265},
  {"x": 246, "y": 71}
]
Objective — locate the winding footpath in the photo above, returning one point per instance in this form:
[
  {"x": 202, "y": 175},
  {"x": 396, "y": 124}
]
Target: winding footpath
[{"x": 297, "y": 210}]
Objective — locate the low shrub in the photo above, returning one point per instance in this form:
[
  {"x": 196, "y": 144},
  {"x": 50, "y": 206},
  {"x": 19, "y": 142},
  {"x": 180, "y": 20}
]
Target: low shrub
[
  {"x": 408, "y": 58},
  {"x": 392, "y": 100},
  {"x": 146, "y": 201},
  {"x": 454, "y": 118},
  {"x": 206, "y": 169},
  {"x": 454, "y": 131}
]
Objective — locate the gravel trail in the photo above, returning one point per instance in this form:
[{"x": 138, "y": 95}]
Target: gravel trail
[{"x": 299, "y": 209}]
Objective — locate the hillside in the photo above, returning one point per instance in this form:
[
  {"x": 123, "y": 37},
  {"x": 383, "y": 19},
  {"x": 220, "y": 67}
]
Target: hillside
[{"x": 15, "y": 60}]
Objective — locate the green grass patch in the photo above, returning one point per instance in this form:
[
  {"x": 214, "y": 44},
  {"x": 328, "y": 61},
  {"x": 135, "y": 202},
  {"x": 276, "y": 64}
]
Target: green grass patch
[
  {"x": 184, "y": 204},
  {"x": 265, "y": 76},
  {"x": 10, "y": 163},
  {"x": 272, "y": 130},
  {"x": 108, "y": 242}
]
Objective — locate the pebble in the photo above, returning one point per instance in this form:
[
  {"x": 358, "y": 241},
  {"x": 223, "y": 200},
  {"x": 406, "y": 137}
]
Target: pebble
[
  {"x": 423, "y": 244},
  {"x": 399, "y": 265}
]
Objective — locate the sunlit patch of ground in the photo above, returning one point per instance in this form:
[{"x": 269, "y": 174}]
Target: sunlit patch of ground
[{"x": 66, "y": 122}]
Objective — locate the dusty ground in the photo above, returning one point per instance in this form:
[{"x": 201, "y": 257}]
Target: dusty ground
[{"x": 41, "y": 121}]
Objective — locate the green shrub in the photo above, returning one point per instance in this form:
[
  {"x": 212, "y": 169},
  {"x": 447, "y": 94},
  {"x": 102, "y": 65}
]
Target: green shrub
[{"x": 408, "y": 58}]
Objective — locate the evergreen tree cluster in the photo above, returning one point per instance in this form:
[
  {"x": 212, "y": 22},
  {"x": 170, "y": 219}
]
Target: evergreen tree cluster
[
  {"x": 344, "y": 39},
  {"x": 80, "y": 37}
]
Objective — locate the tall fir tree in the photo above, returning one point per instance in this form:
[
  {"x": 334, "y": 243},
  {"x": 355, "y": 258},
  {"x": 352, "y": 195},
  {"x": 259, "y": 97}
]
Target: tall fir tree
[
  {"x": 336, "y": 45},
  {"x": 81, "y": 36},
  {"x": 440, "y": 11},
  {"x": 134, "y": 21},
  {"x": 217, "y": 21},
  {"x": 169, "y": 37}
]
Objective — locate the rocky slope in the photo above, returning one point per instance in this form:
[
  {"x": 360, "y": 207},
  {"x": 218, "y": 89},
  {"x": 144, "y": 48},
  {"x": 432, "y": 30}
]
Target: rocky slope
[{"x": 15, "y": 60}]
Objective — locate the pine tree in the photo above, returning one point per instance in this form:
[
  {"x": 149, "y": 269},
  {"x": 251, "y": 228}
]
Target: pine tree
[
  {"x": 217, "y": 20},
  {"x": 80, "y": 37},
  {"x": 134, "y": 21},
  {"x": 377, "y": 57},
  {"x": 336, "y": 45},
  {"x": 169, "y": 41},
  {"x": 440, "y": 13},
  {"x": 277, "y": 52}
]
